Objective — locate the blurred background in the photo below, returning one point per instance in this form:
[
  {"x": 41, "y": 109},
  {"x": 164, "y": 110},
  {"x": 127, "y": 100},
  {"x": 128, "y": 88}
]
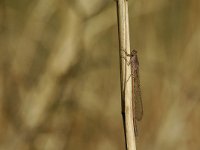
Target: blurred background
[{"x": 59, "y": 74}]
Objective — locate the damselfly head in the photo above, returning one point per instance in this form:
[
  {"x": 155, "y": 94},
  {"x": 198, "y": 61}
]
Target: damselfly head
[{"x": 133, "y": 52}]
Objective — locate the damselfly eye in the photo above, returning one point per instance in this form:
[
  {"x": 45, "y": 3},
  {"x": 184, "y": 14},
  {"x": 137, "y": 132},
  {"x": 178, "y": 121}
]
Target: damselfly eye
[{"x": 133, "y": 52}]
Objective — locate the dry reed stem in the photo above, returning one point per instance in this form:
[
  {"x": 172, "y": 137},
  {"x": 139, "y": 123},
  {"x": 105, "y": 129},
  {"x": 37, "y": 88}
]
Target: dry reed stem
[{"x": 125, "y": 71}]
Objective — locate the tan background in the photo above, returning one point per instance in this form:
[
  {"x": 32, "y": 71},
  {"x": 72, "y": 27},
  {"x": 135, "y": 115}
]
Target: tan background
[{"x": 59, "y": 74}]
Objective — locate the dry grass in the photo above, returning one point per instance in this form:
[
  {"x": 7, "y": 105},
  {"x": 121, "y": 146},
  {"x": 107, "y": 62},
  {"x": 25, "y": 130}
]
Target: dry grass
[{"x": 59, "y": 74}]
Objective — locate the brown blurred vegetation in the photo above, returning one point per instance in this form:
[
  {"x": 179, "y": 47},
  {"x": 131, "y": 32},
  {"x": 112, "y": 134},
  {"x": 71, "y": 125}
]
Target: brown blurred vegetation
[{"x": 59, "y": 74}]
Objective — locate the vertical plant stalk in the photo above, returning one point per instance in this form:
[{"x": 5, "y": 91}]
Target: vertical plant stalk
[{"x": 125, "y": 71}]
